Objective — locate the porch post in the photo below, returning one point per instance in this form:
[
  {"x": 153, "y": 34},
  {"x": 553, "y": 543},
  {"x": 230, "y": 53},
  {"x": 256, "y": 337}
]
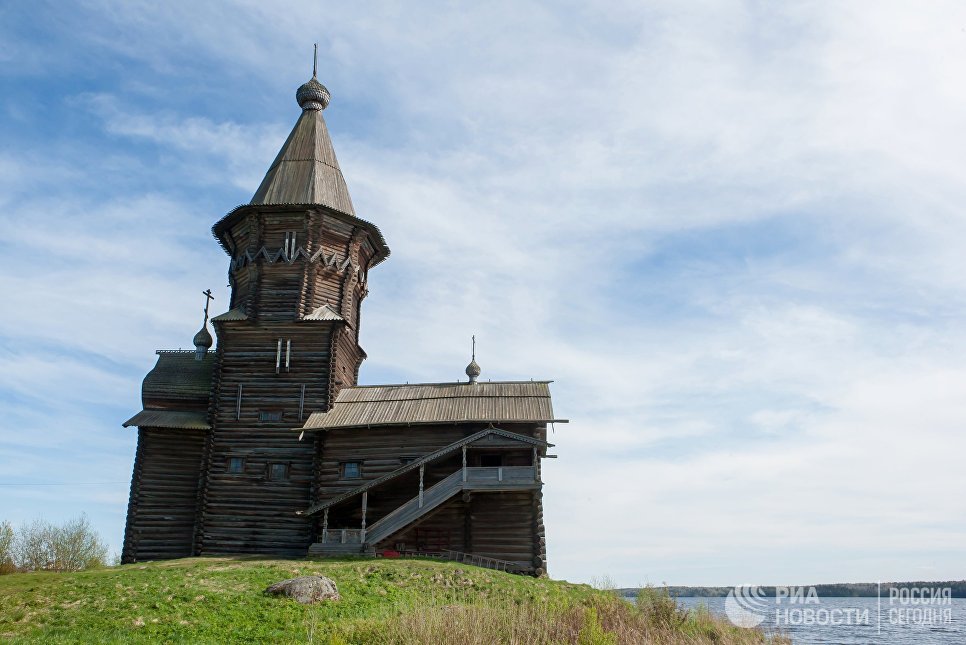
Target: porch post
[
  {"x": 422, "y": 469},
  {"x": 464, "y": 462},
  {"x": 325, "y": 524},
  {"x": 365, "y": 502}
]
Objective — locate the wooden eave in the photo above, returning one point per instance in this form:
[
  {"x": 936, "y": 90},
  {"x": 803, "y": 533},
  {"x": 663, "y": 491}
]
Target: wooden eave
[
  {"x": 169, "y": 419},
  {"x": 431, "y": 457},
  {"x": 231, "y": 315},
  {"x": 222, "y": 226}
]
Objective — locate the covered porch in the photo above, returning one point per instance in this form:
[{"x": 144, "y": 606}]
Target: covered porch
[{"x": 490, "y": 461}]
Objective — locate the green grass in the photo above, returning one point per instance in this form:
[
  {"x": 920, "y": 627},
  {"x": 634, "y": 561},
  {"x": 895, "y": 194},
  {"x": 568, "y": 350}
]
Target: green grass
[{"x": 388, "y": 601}]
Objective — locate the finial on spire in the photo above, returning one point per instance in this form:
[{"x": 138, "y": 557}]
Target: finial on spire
[
  {"x": 473, "y": 370},
  {"x": 313, "y": 95},
  {"x": 203, "y": 340}
]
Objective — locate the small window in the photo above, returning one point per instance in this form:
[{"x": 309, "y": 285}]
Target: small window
[
  {"x": 277, "y": 472},
  {"x": 284, "y": 345},
  {"x": 236, "y": 465},
  {"x": 291, "y": 239},
  {"x": 351, "y": 470},
  {"x": 270, "y": 415}
]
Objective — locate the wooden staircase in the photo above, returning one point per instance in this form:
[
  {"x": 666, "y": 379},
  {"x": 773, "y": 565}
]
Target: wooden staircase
[
  {"x": 415, "y": 508},
  {"x": 494, "y": 479}
]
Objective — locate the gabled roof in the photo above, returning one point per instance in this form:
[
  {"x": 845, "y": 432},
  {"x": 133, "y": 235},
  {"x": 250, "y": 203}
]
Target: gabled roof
[
  {"x": 425, "y": 403},
  {"x": 325, "y": 312},
  {"x": 306, "y": 170},
  {"x": 425, "y": 459},
  {"x": 172, "y": 419}
]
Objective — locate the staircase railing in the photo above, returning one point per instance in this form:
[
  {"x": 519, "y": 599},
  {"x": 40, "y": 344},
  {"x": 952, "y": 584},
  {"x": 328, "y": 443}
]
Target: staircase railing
[
  {"x": 479, "y": 560},
  {"x": 431, "y": 498}
]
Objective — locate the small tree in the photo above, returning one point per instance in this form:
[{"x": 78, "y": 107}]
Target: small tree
[
  {"x": 78, "y": 546},
  {"x": 34, "y": 546},
  {"x": 6, "y": 548}
]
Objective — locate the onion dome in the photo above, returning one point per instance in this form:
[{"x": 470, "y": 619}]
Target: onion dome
[
  {"x": 203, "y": 339},
  {"x": 202, "y": 342},
  {"x": 312, "y": 95},
  {"x": 473, "y": 371}
]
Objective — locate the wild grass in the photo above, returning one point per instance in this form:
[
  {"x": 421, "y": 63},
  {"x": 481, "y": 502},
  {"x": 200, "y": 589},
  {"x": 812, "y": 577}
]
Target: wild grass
[{"x": 219, "y": 600}]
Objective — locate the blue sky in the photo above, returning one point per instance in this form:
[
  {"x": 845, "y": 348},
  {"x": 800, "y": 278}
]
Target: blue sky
[{"x": 732, "y": 233}]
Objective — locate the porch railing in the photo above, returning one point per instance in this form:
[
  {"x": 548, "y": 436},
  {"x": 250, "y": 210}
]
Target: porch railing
[
  {"x": 341, "y": 536},
  {"x": 487, "y": 474}
]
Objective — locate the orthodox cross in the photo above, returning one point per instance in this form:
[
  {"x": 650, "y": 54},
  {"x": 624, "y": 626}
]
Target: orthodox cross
[
  {"x": 208, "y": 299},
  {"x": 315, "y": 61},
  {"x": 474, "y": 346}
]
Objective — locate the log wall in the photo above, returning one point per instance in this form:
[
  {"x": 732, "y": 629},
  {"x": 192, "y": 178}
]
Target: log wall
[
  {"x": 164, "y": 494},
  {"x": 249, "y": 512}
]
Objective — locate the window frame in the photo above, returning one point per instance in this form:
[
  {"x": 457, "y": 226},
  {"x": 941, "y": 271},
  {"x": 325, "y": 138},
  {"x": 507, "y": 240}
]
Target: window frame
[
  {"x": 270, "y": 471},
  {"x": 343, "y": 469},
  {"x": 230, "y": 465}
]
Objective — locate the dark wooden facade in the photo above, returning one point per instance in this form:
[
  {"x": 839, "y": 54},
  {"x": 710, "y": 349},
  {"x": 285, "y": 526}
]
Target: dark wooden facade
[{"x": 223, "y": 463}]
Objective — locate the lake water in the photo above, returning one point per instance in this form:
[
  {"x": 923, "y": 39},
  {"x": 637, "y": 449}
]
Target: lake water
[{"x": 829, "y": 621}]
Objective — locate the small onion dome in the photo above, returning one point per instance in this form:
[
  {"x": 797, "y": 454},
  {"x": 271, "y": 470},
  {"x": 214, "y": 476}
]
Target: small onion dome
[
  {"x": 202, "y": 342},
  {"x": 473, "y": 371},
  {"x": 312, "y": 95}
]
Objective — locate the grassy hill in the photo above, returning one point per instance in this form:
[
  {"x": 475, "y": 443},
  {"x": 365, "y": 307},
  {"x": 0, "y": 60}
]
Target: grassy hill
[{"x": 383, "y": 601}]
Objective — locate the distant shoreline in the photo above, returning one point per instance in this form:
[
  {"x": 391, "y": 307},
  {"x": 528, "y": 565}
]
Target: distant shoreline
[{"x": 836, "y": 590}]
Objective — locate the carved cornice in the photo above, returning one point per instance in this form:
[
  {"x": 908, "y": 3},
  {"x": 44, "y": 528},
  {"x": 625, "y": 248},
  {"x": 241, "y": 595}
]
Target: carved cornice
[{"x": 271, "y": 257}]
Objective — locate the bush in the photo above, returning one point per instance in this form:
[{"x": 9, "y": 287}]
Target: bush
[
  {"x": 42, "y": 546},
  {"x": 661, "y": 609}
]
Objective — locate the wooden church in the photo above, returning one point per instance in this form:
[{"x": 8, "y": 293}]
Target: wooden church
[{"x": 267, "y": 445}]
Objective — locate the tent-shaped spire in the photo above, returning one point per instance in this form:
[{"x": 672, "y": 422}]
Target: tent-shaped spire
[{"x": 306, "y": 170}]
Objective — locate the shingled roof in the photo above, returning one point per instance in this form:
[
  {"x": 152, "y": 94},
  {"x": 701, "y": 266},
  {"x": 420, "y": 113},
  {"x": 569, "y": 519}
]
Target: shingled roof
[
  {"x": 430, "y": 403},
  {"x": 179, "y": 375}
]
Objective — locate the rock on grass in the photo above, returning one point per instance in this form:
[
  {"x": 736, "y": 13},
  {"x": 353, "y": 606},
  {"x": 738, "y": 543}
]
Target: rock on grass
[{"x": 305, "y": 589}]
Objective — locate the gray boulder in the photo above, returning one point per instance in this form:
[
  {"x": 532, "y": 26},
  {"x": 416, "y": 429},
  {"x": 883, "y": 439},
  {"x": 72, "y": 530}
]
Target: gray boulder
[{"x": 305, "y": 589}]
